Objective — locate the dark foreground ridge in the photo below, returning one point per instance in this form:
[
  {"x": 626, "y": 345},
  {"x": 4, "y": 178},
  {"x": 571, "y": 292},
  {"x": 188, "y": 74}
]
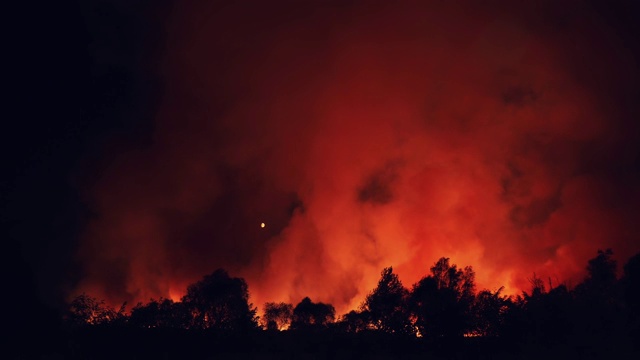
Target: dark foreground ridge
[{"x": 442, "y": 316}]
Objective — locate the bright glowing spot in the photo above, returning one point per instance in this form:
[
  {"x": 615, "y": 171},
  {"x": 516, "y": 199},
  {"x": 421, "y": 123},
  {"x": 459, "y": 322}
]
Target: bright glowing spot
[
  {"x": 262, "y": 225},
  {"x": 175, "y": 295}
]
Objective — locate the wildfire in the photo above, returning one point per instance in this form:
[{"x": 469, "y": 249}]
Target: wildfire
[{"x": 387, "y": 139}]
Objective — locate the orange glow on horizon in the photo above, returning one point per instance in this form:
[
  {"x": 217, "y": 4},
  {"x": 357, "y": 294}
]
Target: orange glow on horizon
[{"x": 176, "y": 294}]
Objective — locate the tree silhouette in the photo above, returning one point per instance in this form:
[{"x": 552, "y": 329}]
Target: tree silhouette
[
  {"x": 162, "y": 313},
  {"x": 386, "y": 307},
  {"x": 441, "y": 302},
  {"x": 277, "y": 316},
  {"x": 630, "y": 284},
  {"x": 308, "y": 314},
  {"x": 601, "y": 275},
  {"x": 537, "y": 287},
  {"x": 631, "y": 281},
  {"x": 354, "y": 321},
  {"x": 462, "y": 282},
  {"x": 220, "y": 302},
  {"x": 489, "y": 311},
  {"x": 598, "y": 304},
  {"x": 548, "y": 315}
]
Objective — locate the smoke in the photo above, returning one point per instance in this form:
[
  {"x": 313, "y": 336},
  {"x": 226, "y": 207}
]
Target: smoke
[{"x": 372, "y": 134}]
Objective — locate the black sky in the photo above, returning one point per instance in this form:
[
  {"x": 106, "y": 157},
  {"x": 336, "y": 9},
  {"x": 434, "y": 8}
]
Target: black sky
[{"x": 81, "y": 76}]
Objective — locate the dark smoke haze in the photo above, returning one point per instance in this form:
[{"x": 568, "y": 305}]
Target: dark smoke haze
[{"x": 367, "y": 134}]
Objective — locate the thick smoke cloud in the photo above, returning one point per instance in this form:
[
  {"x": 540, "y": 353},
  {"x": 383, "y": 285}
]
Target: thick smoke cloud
[{"x": 372, "y": 134}]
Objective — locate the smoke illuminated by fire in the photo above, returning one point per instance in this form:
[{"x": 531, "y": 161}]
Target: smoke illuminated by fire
[{"x": 366, "y": 135}]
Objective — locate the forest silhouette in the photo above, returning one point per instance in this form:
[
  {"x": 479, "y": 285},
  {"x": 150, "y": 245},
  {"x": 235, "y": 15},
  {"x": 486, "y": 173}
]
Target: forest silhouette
[{"x": 442, "y": 316}]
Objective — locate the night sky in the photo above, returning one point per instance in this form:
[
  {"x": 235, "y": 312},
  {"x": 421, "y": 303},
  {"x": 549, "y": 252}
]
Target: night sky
[{"x": 149, "y": 140}]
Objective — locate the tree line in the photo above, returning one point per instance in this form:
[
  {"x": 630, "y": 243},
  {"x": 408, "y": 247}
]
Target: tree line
[
  {"x": 441, "y": 316},
  {"x": 444, "y": 304}
]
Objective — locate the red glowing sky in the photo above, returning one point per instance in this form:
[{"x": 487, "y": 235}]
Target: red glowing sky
[{"x": 367, "y": 134}]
